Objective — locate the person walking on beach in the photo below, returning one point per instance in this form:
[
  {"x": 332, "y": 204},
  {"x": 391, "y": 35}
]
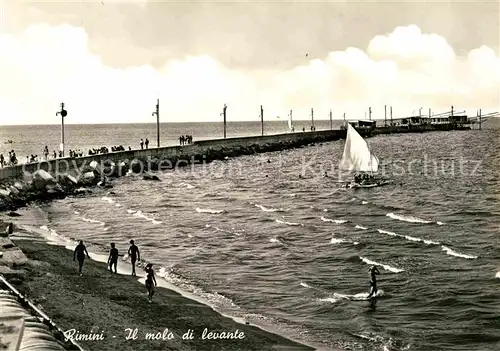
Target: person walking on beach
[
  {"x": 80, "y": 252},
  {"x": 113, "y": 258},
  {"x": 146, "y": 143},
  {"x": 134, "y": 254},
  {"x": 142, "y": 144},
  {"x": 373, "y": 281},
  {"x": 150, "y": 279}
]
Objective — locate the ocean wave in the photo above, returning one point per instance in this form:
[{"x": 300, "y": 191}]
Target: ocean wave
[
  {"x": 304, "y": 285},
  {"x": 108, "y": 199},
  {"x": 288, "y": 223},
  {"x": 142, "y": 215},
  {"x": 351, "y": 297},
  {"x": 361, "y": 227},
  {"x": 337, "y": 221},
  {"x": 265, "y": 209},
  {"x": 410, "y": 219},
  {"x": 497, "y": 275},
  {"x": 233, "y": 230},
  {"x": 276, "y": 240},
  {"x": 407, "y": 237},
  {"x": 457, "y": 254},
  {"x": 186, "y": 185},
  {"x": 89, "y": 220},
  {"x": 385, "y": 266},
  {"x": 337, "y": 241},
  {"x": 207, "y": 210},
  {"x": 364, "y": 202}
]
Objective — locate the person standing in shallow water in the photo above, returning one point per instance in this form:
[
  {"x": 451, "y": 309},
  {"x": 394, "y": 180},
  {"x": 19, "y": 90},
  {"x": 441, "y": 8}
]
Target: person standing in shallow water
[
  {"x": 80, "y": 252},
  {"x": 113, "y": 258},
  {"x": 134, "y": 254},
  {"x": 150, "y": 279},
  {"x": 373, "y": 281}
]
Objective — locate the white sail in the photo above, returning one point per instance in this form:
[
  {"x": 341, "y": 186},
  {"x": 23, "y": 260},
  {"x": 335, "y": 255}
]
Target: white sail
[{"x": 357, "y": 155}]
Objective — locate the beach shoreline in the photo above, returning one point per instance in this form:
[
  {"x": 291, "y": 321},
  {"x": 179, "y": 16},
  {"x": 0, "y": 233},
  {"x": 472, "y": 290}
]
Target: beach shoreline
[{"x": 98, "y": 298}]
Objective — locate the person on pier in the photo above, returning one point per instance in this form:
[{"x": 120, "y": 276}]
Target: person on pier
[
  {"x": 142, "y": 144},
  {"x": 80, "y": 252},
  {"x": 134, "y": 254},
  {"x": 146, "y": 143}
]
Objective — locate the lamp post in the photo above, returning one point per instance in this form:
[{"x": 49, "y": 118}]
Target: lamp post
[
  {"x": 63, "y": 113},
  {"x": 224, "y": 115},
  {"x": 157, "y": 114},
  {"x": 261, "y": 120}
]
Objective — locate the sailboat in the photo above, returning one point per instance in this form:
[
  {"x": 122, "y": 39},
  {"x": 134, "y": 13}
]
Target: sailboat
[{"x": 358, "y": 157}]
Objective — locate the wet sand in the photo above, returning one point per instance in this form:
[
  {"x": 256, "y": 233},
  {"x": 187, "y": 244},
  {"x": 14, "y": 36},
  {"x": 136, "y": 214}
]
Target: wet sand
[{"x": 109, "y": 307}]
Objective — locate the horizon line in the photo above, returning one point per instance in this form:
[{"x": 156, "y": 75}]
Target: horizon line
[{"x": 242, "y": 121}]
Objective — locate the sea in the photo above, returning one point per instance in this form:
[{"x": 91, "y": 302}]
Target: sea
[{"x": 271, "y": 240}]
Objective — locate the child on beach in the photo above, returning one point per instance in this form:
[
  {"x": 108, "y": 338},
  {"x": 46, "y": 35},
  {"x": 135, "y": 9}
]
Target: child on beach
[
  {"x": 80, "y": 252},
  {"x": 113, "y": 258},
  {"x": 150, "y": 279}
]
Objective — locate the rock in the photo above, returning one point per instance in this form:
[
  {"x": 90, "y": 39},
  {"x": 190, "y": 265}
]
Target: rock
[
  {"x": 83, "y": 191},
  {"x": 5, "y": 192},
  {"x": 151, "y": 177},
  {"x": 88, "y": 178},
  {"x": 42, "y": 178},
  {"x": 10, "y": 273},
  {"x": 94, "y": 166},
  {"x": 18, "y": 186},
  {"x": 13, "y": 214},
  {"x": 6, "y": 243},
  {"x": 14, "y": 257},
  {"x": 137, "y": 166}
]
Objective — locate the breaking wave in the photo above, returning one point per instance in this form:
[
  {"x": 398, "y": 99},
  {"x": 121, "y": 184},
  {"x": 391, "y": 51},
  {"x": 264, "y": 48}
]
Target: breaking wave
[
  {"x": 457, "y": 254},
  {"x": 385, "y": 266}
]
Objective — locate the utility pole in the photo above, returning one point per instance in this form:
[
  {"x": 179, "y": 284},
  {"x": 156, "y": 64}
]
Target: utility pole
[
  {"x": 480, "y": 119},
  {"x": 331, "y": 122},
  {"x": 312, "y": 117},
  {"x": 63, "y": 113},
  {"x": 157, "y": 114},
  {"x": 290, "y": 116},
  {"x": 385, "y": 115},
  {"x": 261, "y": 120},
  {"x": 391, "y": 116},
  {"x": 224, "y": 114}
]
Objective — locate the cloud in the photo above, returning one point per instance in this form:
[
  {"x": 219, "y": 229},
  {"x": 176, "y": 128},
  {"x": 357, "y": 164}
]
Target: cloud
[{"x": 407, "y": 69}]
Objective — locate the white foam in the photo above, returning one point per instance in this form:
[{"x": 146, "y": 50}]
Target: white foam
[
  {"x": 407, "y": 218},
  {"x": 89, "y": 220},
  {"x": 77, "y": 213},
  {"x": 497, "y": 275},
  {"x": 385, "y": 266},
  {"x": 130, "y": 211},
  {"x": 337, "y": 241},
  {"x": 207, "y": 210},
  {"x": 337, "y": 221},
  {"x": 457, "y": 254},
  {"x": 440, "y": 223},
  {"x": 142, "y": 215},
  {"x": 358, "y": 296},
  {"x": 288, "y": 223},
  {"x": 118, "y": 205},
  {"x": 186, "y": 185},
  {"x": 328, "y": 299},
  {"x": 108, "y": 199},
  {"x": 275, "y": 240},
  {"x": 265, "y": 209},
  {"x": 364, "y": 202},
  {"x": 304, "y": 285},
  {"x": 408, "y": 237},
  {"x": 361, "y": 227}
]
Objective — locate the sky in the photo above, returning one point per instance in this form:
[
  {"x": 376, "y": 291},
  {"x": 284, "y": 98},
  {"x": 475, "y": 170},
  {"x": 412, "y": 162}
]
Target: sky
[{"x": 109, "y": 61}]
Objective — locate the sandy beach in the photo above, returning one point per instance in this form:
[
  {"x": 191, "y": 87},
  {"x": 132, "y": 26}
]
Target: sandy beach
[{"x": 113, "y": 310}]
